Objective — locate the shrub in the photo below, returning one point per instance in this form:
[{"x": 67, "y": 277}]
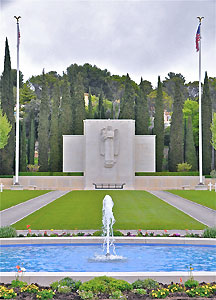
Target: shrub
[
  {"x": 105, "y": 284},
  {"x": 7, "y": 293},
  {"x": 86, "y": 295},
  {"x": 145, "y": 284},
  {"x": 213, "y": 173},
  {"x": 45, "y": 294},
  {"x": 184, "y": 167},
  {"x": 18, "y": 283},
  {"x": 54, "y": 285},
  {"x": 33, "y": 168},
  {"x": 173, "y": 288},
  {"x": 160, "y": 294},
  {"x": 64, "y": 289},
  {"x": 191, "y": 283},
  {"x": 117, "y": 295},
  {"x": 31, "y": 288},
  {"x": 140, "y": 291},
  {"x": 210, "y": 232},
  {"x": 167, "y": 174},
  {"x": 98, "y": 233},
  {"x": 202, "y": 291},
  {"x": 7, "y": 232},
  {"x": 69, "y": 282},
  {"x": 117, "y": 233}
]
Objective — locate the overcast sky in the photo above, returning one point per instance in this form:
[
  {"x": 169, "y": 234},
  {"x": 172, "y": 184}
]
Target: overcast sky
[{"x": 142, "y": 38}]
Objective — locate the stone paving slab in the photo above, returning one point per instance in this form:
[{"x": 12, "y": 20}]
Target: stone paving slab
[
  {"x": 13, "y": 214},
  {"x": 201, "y": 213}
]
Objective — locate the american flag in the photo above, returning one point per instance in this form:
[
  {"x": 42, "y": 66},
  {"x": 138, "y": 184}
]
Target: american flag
[{"x": 198, "y": 37}]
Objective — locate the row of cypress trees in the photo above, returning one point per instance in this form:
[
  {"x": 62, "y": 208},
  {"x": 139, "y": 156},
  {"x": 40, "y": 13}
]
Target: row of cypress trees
[{"x": 66, "y": 113}]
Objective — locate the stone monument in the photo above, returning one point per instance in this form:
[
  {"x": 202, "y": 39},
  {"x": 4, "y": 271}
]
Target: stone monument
[{"x": 109, "y": 153}]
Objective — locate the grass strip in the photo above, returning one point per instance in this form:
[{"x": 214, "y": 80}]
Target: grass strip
[
  {"x": 10, "y": 198},
  {"x": 132, "y": 210},
  {"x": 205, "y": 198}
]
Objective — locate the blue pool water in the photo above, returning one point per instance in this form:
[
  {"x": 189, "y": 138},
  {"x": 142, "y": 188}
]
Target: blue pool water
[{"x": 76, "y": 258}]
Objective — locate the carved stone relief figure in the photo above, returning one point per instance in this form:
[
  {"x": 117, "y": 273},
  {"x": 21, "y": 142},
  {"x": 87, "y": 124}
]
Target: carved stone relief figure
[{"x": 109, "y": 145}]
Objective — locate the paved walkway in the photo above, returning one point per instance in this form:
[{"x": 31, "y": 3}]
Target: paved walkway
[
  {"x": 14, "y": 214},
  {"x": 201, "y": 213}
]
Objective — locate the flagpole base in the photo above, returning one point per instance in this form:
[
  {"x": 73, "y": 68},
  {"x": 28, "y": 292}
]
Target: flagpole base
[
  {"x": 17, "y": 187},
  {"x": 201, "y": 187}
]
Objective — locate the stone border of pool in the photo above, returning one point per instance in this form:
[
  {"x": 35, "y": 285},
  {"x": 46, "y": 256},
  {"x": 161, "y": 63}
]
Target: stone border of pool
[{"x": 45, "y": 278}]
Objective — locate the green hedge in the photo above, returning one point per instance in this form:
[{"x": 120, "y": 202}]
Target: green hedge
[
  {"x": 51, "y": 173},
  {"x": 167, "y": 174},
  {"x": 6, "y": 176}
]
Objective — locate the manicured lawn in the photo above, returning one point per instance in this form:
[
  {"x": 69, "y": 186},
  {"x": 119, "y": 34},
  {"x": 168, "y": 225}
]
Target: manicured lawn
[
  {"x": 205, "y": 198},
  {"x": 132, "y": 210},
  {"x": 10, "y": 198}
]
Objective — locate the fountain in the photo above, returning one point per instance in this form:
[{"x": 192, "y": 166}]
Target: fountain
[{"x": 108, "y": 221}]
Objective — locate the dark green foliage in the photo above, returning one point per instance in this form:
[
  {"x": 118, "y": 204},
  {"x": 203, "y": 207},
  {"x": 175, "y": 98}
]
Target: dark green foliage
[
  {"x": 50, "y": 174},
  {"x": 66, "y": 109},
  {"x": 43, "y": 128},
  {"x": 78, "y": 105},
  {"x": 191, "y": 283},
  {"x": 127, "y": 101},
  {"x": 101, "y": 109},
  {"x": 210, "y": 232},
  {"x": 7, "y": 232},
  {"x": 90, "y": 108},
  {"x": 175, "y": 155},
  {"x": 31, "y": 145},
  {"x": 142, "y": 114},
  {"x": 206, "y": 131},
  {"x": 65, "y": 117},
  {"x": 166, "y": 173},
  {"x": 159, "y": 127},
  {"x": 7, "y": 105},
  {"x": 190, "y": 151},
  {"x": 69, "y": 282},
  {"x": 115, "y": 233},
  {"x": 170, "y": 82},
  {"x": 145, "y": 284},
  {"x": 105, "y": 284},
  {"x": 54, "y": 131},
  {"x": 92, "y": 76},
  {"x": 140, "y": 291},
  {"x": 18, "y": 283},
  {"x": 23, "y": 152}
]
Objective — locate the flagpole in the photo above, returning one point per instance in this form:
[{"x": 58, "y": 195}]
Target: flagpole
[
  {"x": 200, "y": 117},
  {"x": 17, "y": 109}
]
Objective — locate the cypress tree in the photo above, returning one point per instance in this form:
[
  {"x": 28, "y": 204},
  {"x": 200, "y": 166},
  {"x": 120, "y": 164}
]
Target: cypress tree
[
  {"x": 159, "y": 127},
  {"x": 23, "y": 151},
  {"x": 206, "y": 124},
  {"x": 66, "y": 109},
  {"x": 79, "y": 105},
  {"x": 175, "y": 155},
  {"x": 190, "y": 151},
  {"x": 127, "y": 101},
  {"x": 43, "y": 128},
  {"x": 54, "y": 131},
  {"x": 90, "y": 108},
  {"x": 7, "y": 104},
  {"x": 101, "y": 112},
  {"x": 142, "y": 114},
  {"x": 65, "y": 117},
  {"x": 31, "y": 147}
]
